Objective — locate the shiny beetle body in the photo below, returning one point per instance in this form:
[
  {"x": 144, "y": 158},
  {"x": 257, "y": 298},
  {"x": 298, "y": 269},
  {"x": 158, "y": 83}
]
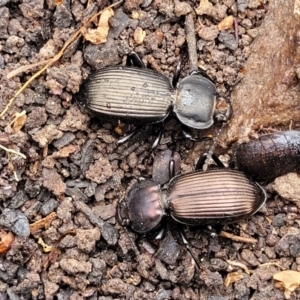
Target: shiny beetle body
[
  {"x": 132, "y": 95},
  {"x": 270, "y": 156},
  {"x": 139, "y": 95},
  {"x": 213, "y": 197}
]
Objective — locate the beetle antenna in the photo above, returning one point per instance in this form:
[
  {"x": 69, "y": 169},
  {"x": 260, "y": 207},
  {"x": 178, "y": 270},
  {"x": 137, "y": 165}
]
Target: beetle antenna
[{"x": 212, "y": 148}]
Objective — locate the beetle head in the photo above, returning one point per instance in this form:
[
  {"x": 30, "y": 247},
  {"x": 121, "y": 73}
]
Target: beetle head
[{"x": 144, "y": 207}]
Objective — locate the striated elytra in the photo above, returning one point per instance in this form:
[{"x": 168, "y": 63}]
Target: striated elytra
[
  {"x": 138, "y": 95},
  {"x": 213, "y": 197},
  {"x": 270, "y": 156}
]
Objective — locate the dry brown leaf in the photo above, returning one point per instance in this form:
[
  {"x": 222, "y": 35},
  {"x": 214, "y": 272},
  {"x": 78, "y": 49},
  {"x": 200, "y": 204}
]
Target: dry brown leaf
[
  {"x": 288, "y": 280},
  {"x": 19, "y": 121},
  {"x": 98, "y": 36},
  {"x": 233, "y": 277},
  {"x": 6, "y": 241},
  {"x": 43, "y": 223},
  {"x": 226, "y": 23},
  {"x": 139, "y": 35}
]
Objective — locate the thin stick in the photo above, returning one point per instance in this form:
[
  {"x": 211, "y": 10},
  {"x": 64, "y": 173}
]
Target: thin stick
[
  {"x": 12, "y": 151},
  {"x": 236, "y": 29},
  {"x": 26, "y": 68},
  {"x": 55, "y": 58},
  {"x": 191, "y": 42},
  {"x": 237, "y": 238}
]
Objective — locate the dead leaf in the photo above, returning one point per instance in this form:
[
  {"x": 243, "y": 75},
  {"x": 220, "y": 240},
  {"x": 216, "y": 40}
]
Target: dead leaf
[
  {"x": 139, "y": 35},
  {"x": 19, "y": 121},
  {"x": 233, "y": 277},
  {"x": 288, "y": 280},
  {"x": 6, "y": 240},
  {"x": 43, "y": 223},
  {"x": 226, "y": 23},
  {"x": 98, "y": 36}
]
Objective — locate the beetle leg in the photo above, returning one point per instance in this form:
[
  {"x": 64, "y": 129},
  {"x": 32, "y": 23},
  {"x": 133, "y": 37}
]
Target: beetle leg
[
  {"x": 187, "y": 134},
  {"x": 187, "y": 245},
  {"x": 201, "y": 73},
  {"x": 210, "y": 232},
  {"x": 203, "y": 161},
  {"x": 171, "y": 169},
  {"x": 210, "y": 155},
  {"x": 176, "y": 74},
  {"x": 130, "y": 135},
  {"x": 134, "y": 60},
  {"x": 160, "y": 234},
  {"x": 157, "y": 140}
]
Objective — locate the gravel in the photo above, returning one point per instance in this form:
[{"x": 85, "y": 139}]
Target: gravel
[{"x": 75, "y": 170}]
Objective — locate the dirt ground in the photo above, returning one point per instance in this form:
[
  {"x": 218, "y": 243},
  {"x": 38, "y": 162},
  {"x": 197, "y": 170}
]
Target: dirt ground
[{"x": 63, "y": 190}]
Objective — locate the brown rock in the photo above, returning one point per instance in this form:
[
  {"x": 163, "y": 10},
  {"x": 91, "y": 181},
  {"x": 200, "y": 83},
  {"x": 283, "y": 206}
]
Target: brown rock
[
  {"x": 53, "y": 182},
  {"x": 100, "y": 171}
]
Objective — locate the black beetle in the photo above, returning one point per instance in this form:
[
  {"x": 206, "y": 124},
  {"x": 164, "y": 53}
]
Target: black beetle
[
  {"x": 137, "y": 95},
  {"x": 140, "y": 95},
  {"x": 212, "y": 197},
  {"x": 270, "y": 156}
]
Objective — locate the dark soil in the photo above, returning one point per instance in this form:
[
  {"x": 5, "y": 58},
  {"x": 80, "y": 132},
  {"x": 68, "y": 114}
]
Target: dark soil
[{"x": 75, "y": 174}]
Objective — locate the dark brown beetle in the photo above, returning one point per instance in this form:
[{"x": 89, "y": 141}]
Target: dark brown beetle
[
  {"x": 212, "y": 197},
  {"x": 270, "y": 156}
]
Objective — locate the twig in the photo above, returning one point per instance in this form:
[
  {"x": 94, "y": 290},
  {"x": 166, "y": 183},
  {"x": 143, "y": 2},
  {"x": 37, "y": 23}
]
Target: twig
[
  {"x": 272, "y": 264},
  {"x": 239, "y": 264},
  {"x": 237, "y": 238},
  {"x": 191, "y": 42},
  {"x": 12, "y": 151},
  {"x": 236, "y": 29},
  {"x": 54, "y": 59},
  {"x": 26, "y": 68}
]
